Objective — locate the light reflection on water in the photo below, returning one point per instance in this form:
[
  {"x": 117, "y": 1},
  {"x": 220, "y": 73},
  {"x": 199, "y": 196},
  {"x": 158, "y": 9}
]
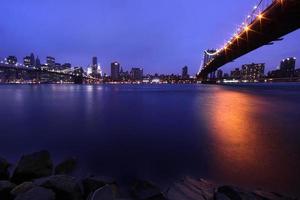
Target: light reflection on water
[{"x": 246, "y": 135}]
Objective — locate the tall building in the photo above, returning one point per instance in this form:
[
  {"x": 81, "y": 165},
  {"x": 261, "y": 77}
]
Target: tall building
[
  {"x": 136, "y": 74},
  {"x": 94, "y": 69},
  {"x": 12, "y": 60},
  {"x": 37, "y": 62},
  {"x": 27, "y": 61},
  {"x": 287, "y": 67},
  {"x": 124, "y": 75},
  {"x": 95, "y": 61},
  {"x": 57, "y": 66},
  {"x": 235, "y": 74},
  {"x": 32, "y": 60},
  {"x": 185, "y": 73},
  {"x": 94, "y": 66},
  {"x": 297, "y": 72},
  {"x": 252, "y": 72},
  {"x": 66, "y": 66},
  {"x": 50, "y": 62},
  {"x": 115, "y": 71}
]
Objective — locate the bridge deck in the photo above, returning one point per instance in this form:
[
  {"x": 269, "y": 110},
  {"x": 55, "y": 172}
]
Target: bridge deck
[{"x": 279, "y": 19}]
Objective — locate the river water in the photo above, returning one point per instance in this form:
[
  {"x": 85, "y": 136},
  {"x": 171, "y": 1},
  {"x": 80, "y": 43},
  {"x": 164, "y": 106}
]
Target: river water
[{"x": 247, "y": 135}]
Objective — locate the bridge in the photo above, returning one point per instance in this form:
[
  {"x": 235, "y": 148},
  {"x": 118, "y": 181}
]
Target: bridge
[
  {"x": 20, "y": 74},
  {"x": 268, "y": 22}
]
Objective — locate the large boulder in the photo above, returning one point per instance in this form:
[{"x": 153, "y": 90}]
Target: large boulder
[
  {"x": 191, "y": 188},
  {"x": 5, "y": 188},
  {"x": 22, "y": 188},
  {"x": 66, "y": 167},
  {"x": 92, "y": 183},
  {"x": 234, "y": 193},
  {"x": 144, "y": 190},
  {"x": 4, "y": 173},
  {"x": 65, "y": 187},
  {"x": 37, "y": 193},
  {"x": 33, "y": 166},
  {"x": 272, "y": 195}
]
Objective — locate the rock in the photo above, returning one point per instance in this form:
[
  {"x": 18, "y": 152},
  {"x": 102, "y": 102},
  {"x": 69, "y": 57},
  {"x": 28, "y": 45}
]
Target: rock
[
  {"x": 65, "y": 187},
  {"x": 22, "y": 188},
  {"x": 93, "y": 183},
  {"x": 103, "y": 193},
  {"x": 33, "y": 166},
  {"x": 66, "y": 167},
  {"x": 5, "y": 188},
  {"x": 37, "y": 193},
  {"x": 271, "y": 195},
  {"x": 220, "y": 196},
  {"x": 190, "y": 188},
  {"x": 235, "y": 193},
  {"x": 145, "y": 190},
  {"x": 4, "y": 173}
]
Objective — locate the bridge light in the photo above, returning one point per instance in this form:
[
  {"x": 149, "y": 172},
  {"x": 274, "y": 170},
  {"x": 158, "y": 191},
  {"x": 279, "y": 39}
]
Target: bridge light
[
  {"x": 255, "y": 7},
  {"x": 246, "y": 28},
  {"x": 260, "y": 16}
]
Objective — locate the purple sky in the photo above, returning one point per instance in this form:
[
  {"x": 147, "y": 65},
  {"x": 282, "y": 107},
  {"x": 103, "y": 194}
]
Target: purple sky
[{"x": 160, "y": 35}]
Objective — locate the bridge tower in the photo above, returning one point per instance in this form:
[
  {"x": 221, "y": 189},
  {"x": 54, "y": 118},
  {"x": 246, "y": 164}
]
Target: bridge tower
[{"x": 208, "y": 56}]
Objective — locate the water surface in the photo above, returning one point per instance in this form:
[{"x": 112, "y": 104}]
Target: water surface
[{"x": 246, "y": 134}]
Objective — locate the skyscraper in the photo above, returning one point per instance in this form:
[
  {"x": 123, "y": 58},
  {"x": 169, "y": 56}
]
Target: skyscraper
[
  {"x": 115, "y": 71},
  {"x": 252, "y": 72},
  {"x": 94, "y": 70},
  {"x": 95, "y": 61},
  {"x": 287, "y": 67},
  {"x": 12, "y": 60},
  {"x": 50, "y": 62},
  {"x": 37, "y": 62},
  {"x": 136, "y": 74},
  {"x": 66, "y": 66},
  {"x": 236, "y": 73},
  {"x": 32, "y": 60},
  {"x": 185, "y": 73},
  {"x": 27, "y": 61}
]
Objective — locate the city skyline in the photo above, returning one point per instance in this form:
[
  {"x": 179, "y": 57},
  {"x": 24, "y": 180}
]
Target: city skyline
[{"x": 129, "y": 33}]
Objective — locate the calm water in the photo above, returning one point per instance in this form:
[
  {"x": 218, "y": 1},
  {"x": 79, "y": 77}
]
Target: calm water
[{"x": 248, "y": 135}]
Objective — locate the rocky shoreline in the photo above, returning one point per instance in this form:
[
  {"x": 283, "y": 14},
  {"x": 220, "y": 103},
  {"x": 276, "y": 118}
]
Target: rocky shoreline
[{"x": 36, "y": 178}]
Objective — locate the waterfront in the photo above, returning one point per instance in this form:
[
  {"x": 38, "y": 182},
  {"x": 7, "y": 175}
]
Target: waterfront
[{"x": 246, "y": 135}]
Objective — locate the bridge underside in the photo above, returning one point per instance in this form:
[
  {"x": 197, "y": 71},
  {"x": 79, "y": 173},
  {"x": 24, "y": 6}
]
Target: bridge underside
[{"x": 278, "y": 20}]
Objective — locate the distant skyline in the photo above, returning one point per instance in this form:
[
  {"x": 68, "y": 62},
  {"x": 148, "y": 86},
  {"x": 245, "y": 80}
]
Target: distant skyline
[{"x": 159, "y": 35}]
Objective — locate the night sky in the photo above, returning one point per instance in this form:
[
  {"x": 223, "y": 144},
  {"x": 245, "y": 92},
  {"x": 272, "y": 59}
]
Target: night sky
[{"x": 159, "y": 35}]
